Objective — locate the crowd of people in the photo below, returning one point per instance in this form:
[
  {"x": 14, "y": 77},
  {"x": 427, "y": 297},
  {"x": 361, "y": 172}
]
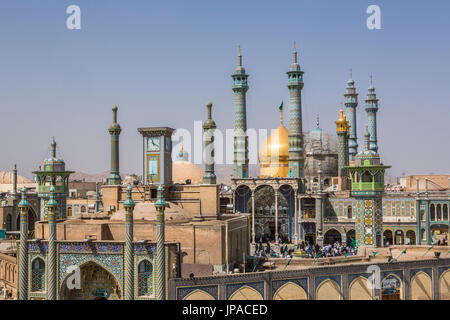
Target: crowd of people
[
  {"x": 265, "y": 249},
  {"x": 329, "y": 250}
]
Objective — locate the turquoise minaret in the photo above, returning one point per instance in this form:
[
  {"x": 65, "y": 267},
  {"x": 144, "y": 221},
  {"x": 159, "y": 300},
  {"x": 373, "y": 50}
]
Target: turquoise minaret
[
  {"x": 295, "y": 85},
  {"x": 114, "y": 130},
  {"x": 52, "y": 206},
  {"x": 98, "y": 200},
  {"x": 351, "y": 102},
  {"x": 240, "y": 87},
  {"x": 367, "y": 176},
  {"x": 208, "y": 127},
  {"x": 129, "y": 250},
  {"x": 160, "y": 206},
  {"x": 24, "y": 206},
  {"x": 52, "y": 173},
  {"x": 371, "y": 109}
]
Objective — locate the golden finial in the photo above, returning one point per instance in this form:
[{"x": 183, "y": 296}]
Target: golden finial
[{"x": 342, "y": 123}]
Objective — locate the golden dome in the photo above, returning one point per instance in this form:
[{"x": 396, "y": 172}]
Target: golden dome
[{"x": 274, "y": 154}]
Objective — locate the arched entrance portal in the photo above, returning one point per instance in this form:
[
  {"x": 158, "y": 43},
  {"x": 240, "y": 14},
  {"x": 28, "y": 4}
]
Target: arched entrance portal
[
  {"x": 410, "y": 237},
  {"x": 96, "y": 284},
  {"x": 399, "y": 237},
  {"x": 439, "y": 232},
  {"x": 242, "y": 195},
  {"x": 287, "y": 231},
  {"x": 387, "y": 237},
  {"x": 332, "y": 236},
  {"x": 391, "y": 288}
]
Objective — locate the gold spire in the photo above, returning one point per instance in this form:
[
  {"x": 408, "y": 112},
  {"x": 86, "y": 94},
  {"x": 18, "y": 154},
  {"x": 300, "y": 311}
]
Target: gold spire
[{"x": 342, "y": 123}]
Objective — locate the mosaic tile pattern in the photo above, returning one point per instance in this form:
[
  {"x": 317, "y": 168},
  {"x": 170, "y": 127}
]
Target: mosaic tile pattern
[
  {"x": 111, "y": 262},
  {"x": 320, "y": 279},
  {"x": 258, "y": 286},
  {"x": 145, "y": 278},
  {"x": 212, "y": 290},
  {"x": 428, "y": 271},
  {"x": 277, "y": 284}
]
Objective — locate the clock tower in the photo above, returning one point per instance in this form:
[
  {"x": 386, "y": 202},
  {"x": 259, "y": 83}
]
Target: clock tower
[{"x": 157, "y": 153}]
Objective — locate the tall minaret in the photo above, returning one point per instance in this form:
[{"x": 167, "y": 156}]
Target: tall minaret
[
  {"x": 24, "y": 206},
  {"x": 15, "y": 180},
  {"x": 351, "y": 102},
  {"x": 52, "y": 273},
  {"x": 208, "y": 127},
  {"x": 160, "y": 206},
  {"x": 295, "y": 85},
  {"x": 129, "y": 250},
  {"x": 240, "y": 87},
  {"x": 114, "y": 130},
  {"x": 371, "y": 109},
  {"x": 342, "y": 128}
]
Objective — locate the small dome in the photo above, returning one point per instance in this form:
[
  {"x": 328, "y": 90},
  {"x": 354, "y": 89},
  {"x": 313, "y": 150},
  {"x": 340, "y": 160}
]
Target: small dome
[
  {"x": 53, "y": 164},
  {"x": 183, "y": 170},
  {"x": 146, "y": 211},
  {"x": 239, "y": 70},
  {"x": 294, "y": 67}
]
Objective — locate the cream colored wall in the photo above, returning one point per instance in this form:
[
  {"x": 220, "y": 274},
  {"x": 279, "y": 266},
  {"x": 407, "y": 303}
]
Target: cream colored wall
[
  {"x": 328, "y": 290},
  {"x": 359, "y": 290},
  {"x": 421, "y": 287},
  {"x": 199, "y": 295},
  {"x": 290, "y": 291},
  {"x": 110, "y": 197},
  {"x": 444, "y": 286},
  {"x": 246, "y": 293}
]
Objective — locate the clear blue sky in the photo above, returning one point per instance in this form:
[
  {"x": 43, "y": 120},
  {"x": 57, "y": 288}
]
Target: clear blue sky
[{"x": 161, "y": 61}]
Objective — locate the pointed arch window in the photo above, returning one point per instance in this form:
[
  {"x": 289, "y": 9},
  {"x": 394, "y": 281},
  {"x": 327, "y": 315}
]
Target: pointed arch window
[
  {"x": 366, "y": 177},
  {"x": 38, "y": 275},
  {"x": 432, "y": 212},
  {"x": 145, "y": 278}
]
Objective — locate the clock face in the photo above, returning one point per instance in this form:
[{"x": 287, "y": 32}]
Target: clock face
[{"x": 153, "y": 143}]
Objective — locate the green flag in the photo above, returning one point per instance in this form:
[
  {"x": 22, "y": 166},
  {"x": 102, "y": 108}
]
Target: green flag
[
  {"x": 281, "y": 106},
  {"x": 374, "y": 253},
  {"x": 289, "y": 262},
  {"x": 404, "y": 251},
  {"x": 257, "y": 262},
  {"x": 428, "y": 249},
  {"x": 346, "y": 254},
  {"x": 318, "y": 256},
  {"x": 352, "y": 243}
]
